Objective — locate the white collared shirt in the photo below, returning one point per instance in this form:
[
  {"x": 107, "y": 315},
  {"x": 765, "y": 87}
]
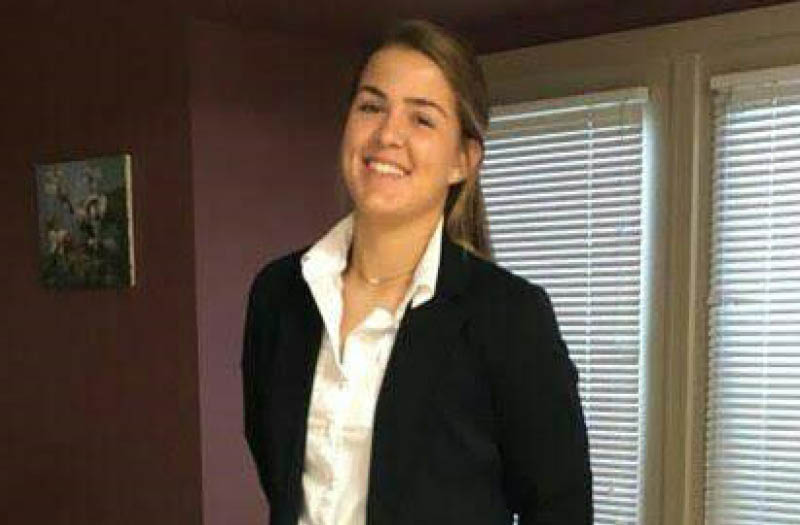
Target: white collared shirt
[{"x": 347, "y": 380}]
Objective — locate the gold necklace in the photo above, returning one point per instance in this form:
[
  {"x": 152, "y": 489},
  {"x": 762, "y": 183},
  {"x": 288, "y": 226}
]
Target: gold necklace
[{"x": 377, "y": 281}]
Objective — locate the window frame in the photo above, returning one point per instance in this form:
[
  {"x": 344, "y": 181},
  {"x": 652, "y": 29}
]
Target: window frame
[{"x": 675, "y": 63}]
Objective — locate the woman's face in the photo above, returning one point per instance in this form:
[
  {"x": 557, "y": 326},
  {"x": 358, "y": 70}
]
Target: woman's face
[{"x": 402, "y": 141}]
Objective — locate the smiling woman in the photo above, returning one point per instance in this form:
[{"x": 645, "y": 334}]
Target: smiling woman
[
  {"x": 402, "y": 145},
  {"x": 392, "y": 374}
]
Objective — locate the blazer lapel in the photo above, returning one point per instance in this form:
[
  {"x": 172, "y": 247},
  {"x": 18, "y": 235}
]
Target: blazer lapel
[{"x": 425, "y": 342}]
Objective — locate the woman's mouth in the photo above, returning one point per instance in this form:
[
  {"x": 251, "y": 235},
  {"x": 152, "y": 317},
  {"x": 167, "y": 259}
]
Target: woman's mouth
[{"x": 385, "y": 168}]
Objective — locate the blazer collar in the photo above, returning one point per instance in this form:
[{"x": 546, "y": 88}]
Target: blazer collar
[{"x": 454, "y": 270}]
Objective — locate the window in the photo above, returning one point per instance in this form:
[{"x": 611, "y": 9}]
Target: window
[
  {"x": 563, "y": 184},
  {"x": 753, "y": 414}
]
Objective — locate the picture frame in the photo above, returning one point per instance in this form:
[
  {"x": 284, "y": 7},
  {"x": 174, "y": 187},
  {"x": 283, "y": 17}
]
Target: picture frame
[{"x": 85, "y": 212}]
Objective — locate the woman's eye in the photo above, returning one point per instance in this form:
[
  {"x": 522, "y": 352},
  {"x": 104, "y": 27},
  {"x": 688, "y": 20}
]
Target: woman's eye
[
  {"x": 369, "y": 107},
  {"x": 424, "y": 120}
]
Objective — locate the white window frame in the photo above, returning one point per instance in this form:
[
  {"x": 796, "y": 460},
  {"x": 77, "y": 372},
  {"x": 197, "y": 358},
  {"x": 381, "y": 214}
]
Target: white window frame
[{"x": 675, "y": 63}]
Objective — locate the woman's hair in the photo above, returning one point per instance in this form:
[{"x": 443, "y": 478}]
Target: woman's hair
[{"x": 465, "y": 215}]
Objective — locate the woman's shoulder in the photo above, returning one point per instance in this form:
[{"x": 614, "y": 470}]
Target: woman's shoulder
[
  {"x": 278, "y": 273},
  {"x": 491, "y": 283},
  {"x": 503, "y": 304},
  {"x": 514, "y": 317}
]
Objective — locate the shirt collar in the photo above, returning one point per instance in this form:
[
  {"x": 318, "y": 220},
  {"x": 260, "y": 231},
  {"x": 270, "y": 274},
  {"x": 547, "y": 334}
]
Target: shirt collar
[{"x": 327, "y": 259}]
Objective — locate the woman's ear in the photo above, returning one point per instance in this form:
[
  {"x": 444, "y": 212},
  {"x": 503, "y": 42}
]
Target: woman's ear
[
  {"x": 474, "y": 155},
  {"x": 469, "y": 160},
  {"x": 456, "y": 175}
]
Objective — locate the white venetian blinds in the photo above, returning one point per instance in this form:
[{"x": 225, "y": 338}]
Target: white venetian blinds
[
  {"x": 753, "y": 417},
  {"x": 563, "y": 182}
]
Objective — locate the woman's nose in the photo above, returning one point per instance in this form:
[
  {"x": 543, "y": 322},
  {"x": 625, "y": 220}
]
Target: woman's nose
[{"x": 391, "y": 131}]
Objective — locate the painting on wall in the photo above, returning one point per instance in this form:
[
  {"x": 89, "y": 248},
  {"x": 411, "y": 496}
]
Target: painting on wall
[{"x": 86, "y": 223}]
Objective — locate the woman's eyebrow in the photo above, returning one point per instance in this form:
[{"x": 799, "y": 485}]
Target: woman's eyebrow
[
  {"x": 416, "y": 101},
  {"x": 372, "y": 89},
  {"x": 420, "y": 101}
]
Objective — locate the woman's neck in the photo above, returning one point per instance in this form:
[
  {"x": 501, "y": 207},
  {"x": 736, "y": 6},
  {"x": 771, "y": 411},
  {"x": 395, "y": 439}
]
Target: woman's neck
[{"x": 383, "y": 251}]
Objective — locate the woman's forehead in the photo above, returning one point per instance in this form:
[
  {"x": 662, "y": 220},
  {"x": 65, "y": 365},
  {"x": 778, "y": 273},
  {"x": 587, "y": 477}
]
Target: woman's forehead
[{"x": 402, "y": 72}]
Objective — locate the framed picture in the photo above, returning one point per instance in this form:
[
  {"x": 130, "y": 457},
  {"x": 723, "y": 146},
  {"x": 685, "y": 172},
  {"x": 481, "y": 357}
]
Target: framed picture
[{"x": 86, "y": 223}]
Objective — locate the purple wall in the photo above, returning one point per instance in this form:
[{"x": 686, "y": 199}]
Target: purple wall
[
  {"x": 99, "y": 389},
  {"x": 125, "y": 406},
  {"x": 264, "y": 135}
]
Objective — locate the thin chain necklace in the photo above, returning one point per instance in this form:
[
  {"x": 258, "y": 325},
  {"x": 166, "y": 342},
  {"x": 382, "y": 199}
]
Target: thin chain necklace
[{"x": 377, "y": 281}]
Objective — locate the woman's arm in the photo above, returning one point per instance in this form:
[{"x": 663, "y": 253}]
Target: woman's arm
[
  {"x": 260, "y": 329},
  {"x": 251, "y": 344},
  {"x": 541, "y": 428}
]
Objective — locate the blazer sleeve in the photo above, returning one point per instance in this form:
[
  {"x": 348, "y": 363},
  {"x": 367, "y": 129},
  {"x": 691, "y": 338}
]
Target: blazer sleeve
[
  {"x": 250, "y": 348},
  {"x": 542, "y": 434},
  {"x": 259, "y": 329}
]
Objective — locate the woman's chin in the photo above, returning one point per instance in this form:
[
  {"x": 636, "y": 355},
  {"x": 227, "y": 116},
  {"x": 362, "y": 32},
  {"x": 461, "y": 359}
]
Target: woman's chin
[
  {"x": 382, "y": 210},
  {"x": 392, "y": 206},
  {"x": 393, "y": 203}
]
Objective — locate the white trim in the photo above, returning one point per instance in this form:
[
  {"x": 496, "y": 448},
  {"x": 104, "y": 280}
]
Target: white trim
[
  {"x": 568, "y": 104},
  {"x": 760, "y": 76}
]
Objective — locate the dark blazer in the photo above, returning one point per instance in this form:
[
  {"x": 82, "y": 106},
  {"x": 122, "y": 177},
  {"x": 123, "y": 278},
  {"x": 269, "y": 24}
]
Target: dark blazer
[{"x": 478, "y": 415}]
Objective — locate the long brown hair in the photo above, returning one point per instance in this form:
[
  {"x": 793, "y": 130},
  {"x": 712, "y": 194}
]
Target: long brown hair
[{"x": 465, "y": 214}]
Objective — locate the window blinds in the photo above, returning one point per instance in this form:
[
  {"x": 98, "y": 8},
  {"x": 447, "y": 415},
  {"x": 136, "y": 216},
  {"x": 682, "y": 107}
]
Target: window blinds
[
  {"x": 562, "y": 181},
  {"x": 753, "y": 415}
]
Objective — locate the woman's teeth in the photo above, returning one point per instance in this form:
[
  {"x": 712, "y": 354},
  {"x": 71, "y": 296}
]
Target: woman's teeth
[{"x": 386, "y": 169}]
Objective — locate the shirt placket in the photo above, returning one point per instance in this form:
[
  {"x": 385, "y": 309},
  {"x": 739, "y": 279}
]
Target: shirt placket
[{"x": 337, "y": 422}]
